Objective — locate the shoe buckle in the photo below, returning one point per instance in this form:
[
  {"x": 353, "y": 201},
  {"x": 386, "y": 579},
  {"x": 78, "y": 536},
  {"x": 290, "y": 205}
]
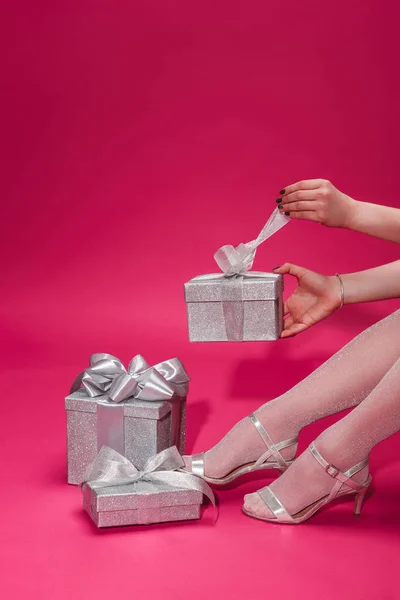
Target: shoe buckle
[{"x": 332, "y": 470}]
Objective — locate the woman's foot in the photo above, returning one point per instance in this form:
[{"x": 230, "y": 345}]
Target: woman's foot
[
  {"x": 243, "y": 444},
  {"x": 305, "y": 481}
]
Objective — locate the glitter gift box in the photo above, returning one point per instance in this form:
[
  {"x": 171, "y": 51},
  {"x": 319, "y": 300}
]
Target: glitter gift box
[
  {"x": 246, "y": 308},
  {"x": 116, "y": 493},
  {"x": 141, "y": 503},
  {"x": 105, "y": 412}
]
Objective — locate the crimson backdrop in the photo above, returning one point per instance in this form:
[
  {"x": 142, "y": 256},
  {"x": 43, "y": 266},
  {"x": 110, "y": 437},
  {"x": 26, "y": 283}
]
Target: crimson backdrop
[{"x": 138, "y": 137}]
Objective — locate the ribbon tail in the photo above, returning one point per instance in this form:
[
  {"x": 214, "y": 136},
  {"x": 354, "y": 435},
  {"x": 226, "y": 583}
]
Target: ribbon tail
[
  {"x": 166, "y": 460},
  {"x": 187, "y": 481},
  {"x": 239, "y": 260},
  {"x": 276, "y": 221}
]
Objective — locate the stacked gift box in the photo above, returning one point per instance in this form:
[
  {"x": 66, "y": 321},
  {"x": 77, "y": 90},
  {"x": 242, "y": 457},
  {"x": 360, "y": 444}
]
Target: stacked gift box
[{"x": 126, "y": 432}]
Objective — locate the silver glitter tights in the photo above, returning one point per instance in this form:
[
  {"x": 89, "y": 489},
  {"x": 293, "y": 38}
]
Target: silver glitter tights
[{"x": 366, "y": 372}]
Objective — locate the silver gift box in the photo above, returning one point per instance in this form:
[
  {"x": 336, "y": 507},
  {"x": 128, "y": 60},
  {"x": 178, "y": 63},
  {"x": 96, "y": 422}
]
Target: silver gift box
[
  {"x": 134, "y": 428},
  {"x": 141, "y": 503},
  {"x": 208, "y": 300}
]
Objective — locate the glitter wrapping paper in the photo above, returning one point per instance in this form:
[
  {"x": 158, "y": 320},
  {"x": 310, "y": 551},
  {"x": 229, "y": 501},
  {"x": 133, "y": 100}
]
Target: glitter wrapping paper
[
  {"x": 146, "y": 430},
  {"x": 141, "y": 503},
  {"x": 261, "y": 299}
]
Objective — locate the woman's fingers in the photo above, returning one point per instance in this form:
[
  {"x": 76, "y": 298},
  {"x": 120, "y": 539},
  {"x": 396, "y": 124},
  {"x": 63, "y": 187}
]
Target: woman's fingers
[
  {"x": 299, "y": 206},
  {"x": 292, "y": 329},
  {"x": 308, "y": 215},
  {"x": 289, "y": 268},
  {"x": 309, "y": 184},
  {"x": 300, "y": 195}
]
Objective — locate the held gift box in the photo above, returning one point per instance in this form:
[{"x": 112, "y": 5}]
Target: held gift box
[
  {"x": 240, "y": 305},
  {"x": 245, "y": 308}
]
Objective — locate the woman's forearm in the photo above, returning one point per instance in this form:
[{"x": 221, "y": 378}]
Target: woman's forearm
[
  {"x": 376, "y": 220},
  {"x": 380, "y": 283}
]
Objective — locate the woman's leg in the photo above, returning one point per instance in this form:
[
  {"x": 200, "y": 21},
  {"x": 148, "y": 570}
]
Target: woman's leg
[
  {"x": 341, "y": 382},
  {"x": 344, "y": 444}
]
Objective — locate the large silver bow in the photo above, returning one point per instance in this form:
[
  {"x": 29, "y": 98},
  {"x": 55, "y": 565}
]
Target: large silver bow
[
  {"x": 108, "y": 376},
  {"x": 110, "y": 468},
  {"x": 237, "y": 261}
]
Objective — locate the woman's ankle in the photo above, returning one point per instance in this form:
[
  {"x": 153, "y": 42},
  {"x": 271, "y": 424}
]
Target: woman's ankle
[
  {"x": 279, "y": 422},
  {"x": 340, "y": 449}
]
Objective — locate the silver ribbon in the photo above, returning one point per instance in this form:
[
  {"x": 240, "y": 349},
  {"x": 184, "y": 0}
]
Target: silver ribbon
[
  {"x": 110, "y": 468},
  {"x": 107, "y": 376},
  {"x": 235, "y": 264},
  {"x": 237, "y": 261}
]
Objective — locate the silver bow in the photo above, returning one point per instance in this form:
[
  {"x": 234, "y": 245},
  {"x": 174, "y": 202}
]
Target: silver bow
[
  {"x": 107, "y": 376},
  {"x": 237, "y": 261},
  {"x": 235, "y": 264},
  {"x": 110, "y": 468}
]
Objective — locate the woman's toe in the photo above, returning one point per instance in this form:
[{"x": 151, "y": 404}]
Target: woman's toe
[{"x": 254, "y": 504}]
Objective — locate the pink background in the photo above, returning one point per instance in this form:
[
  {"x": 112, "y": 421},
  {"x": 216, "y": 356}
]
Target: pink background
[{"x": 137, "y": 138}]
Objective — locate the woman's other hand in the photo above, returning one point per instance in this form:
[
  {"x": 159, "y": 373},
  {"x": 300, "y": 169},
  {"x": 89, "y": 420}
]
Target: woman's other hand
[
  {"x": 317, "y": 200},
  {"x": 315, "y": 298}
]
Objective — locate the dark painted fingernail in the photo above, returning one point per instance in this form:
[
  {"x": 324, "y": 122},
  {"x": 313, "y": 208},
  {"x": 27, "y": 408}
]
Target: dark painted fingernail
[
  {"x": 287, "y": 213},
  {"x": 275, "y": 268},
  {"x": 279, "y": 200},
  {"x": 282, "y": 192},
  {"x": 280, "y": 206}
]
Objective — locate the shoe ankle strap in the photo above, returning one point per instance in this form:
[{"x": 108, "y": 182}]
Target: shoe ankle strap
[
  {"x": 328, "y": 468},
  {"x": 334, "y": 472}
]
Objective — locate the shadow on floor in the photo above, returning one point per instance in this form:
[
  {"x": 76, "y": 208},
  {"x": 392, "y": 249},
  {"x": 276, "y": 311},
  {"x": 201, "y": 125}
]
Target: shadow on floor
[{"x": 198, "y": 417}]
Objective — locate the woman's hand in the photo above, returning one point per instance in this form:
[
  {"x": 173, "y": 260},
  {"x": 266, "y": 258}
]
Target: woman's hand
[
  {"x": 315, "y": 298},
  {"x": 317, "y": 200}
]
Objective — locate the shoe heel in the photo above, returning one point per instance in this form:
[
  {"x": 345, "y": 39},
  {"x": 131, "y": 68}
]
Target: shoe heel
[{"x": 359, "y": 501}]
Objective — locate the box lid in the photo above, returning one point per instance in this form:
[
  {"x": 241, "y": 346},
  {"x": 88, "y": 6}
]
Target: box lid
[
  {"x": 256, "y": 286},
  {"x": 80, "y": 401},
  {"x": 142, "y": 494}
]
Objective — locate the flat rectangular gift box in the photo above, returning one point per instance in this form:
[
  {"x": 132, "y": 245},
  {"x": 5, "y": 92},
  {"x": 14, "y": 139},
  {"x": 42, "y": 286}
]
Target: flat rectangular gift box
[
  {"x": 141, "y": 503},
  {"x": 137, "y": 429},
  {"x": 208, "y": 297}
]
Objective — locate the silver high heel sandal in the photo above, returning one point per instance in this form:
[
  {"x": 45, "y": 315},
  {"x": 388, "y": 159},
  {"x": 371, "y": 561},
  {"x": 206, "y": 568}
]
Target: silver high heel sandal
[
  {"x": 344, "y": 486},
  {"x": 272, "y": 452}
]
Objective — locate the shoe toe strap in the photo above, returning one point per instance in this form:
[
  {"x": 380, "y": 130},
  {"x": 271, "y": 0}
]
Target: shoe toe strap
[{"x": 275, "y": 505}]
